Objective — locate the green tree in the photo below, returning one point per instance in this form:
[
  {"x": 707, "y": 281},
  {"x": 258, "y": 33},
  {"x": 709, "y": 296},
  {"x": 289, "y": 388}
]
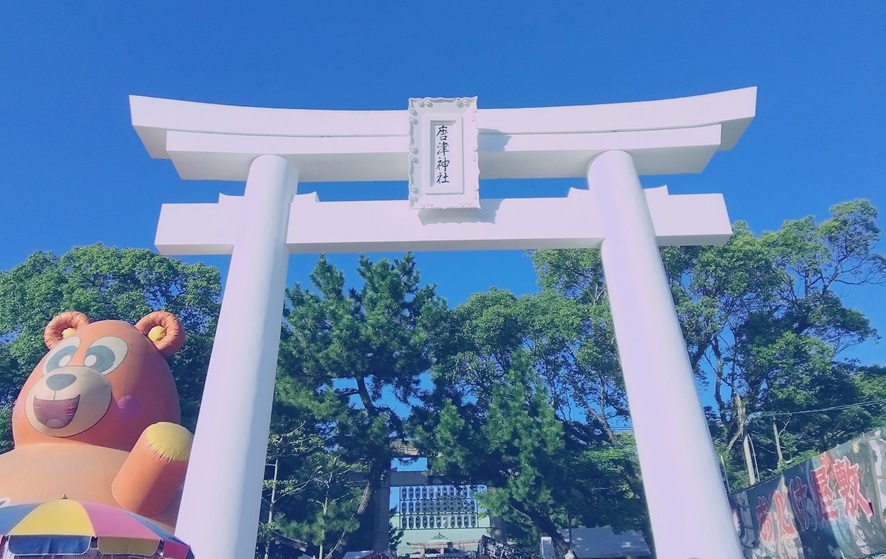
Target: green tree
[
  {"x": 871, "y": 383},
  {"x": 5, "y": 428},
  {"x": 106, "y": 283},
  {"x": 765, "y": 321},
  {"x": 541, "y": 371},
  {"x": 765, "y": 328},
  {"x": 307, "y": 496},
  {"x": 315, "y": 494},
  {"x": 352, "y": 360}
]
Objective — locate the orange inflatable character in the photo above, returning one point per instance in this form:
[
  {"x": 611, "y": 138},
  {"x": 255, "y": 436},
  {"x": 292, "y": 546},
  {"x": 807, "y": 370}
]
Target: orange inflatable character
[{"x": 97, "y": 420}]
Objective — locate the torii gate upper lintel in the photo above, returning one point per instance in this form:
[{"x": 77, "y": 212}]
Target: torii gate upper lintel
[{"x": 609, "y": 145}]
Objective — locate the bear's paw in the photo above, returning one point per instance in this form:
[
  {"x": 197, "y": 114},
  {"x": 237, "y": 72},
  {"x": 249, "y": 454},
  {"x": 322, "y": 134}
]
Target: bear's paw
[{"x": 169, "y": 441}]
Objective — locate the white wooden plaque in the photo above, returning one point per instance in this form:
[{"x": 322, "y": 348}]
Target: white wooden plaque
[{"x": 444, "y": 170}]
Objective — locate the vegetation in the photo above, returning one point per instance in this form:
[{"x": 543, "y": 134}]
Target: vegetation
[
  {"x": 766, "y": 325},
  {"x": 527, "y": 399},
  {"x": 106, "y": 283},
  {"x": 521, "y": 394},
  {"x": 351, "y": 364}
]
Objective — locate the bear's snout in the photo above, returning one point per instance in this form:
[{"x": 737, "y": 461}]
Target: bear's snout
[
  {"x": 60, "y": 381},
  {"x": 68, "y": 401}
]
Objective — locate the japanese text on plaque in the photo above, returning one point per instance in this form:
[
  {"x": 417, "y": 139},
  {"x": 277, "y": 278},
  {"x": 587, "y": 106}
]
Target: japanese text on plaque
[{"x": 441, "y": 153}]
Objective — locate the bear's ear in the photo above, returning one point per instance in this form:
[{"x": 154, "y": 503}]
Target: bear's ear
[
  {"x": 63, "y": 326},
  {"x": 164, "y": 331}
]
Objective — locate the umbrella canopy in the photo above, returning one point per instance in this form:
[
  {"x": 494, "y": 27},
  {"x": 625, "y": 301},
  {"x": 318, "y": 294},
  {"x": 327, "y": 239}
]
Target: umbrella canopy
[{"x": 66, "y": 527}]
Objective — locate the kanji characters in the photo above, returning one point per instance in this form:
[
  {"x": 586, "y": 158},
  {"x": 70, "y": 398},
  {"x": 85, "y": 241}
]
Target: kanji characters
[
  {"x": 797, "y": 496},
  {"x": 767, "y": 531},
  {"x": 785, "y": 525},
  {"x": 849, "y": 488},
  {"x": 822, "y": 482},
  {"x": 441, "y": 150}
]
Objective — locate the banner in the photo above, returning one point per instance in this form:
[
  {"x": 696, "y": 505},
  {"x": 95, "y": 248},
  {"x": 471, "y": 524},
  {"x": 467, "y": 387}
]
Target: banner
[{"x": 829, "y": 506}]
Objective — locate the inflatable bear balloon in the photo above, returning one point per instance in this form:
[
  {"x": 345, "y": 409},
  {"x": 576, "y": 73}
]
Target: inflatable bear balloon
[{"x": 98, "y": 419}]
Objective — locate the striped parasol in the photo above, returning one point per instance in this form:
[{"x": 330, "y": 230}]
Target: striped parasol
[{"x": 67, "y": 527}]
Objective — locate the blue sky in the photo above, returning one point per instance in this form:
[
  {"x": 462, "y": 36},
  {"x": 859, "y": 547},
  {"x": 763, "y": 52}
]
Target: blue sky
[{"x": 73, "y": 171}]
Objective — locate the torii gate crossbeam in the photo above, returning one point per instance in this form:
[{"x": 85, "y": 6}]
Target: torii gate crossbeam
[{"x": 610, "y": 145}]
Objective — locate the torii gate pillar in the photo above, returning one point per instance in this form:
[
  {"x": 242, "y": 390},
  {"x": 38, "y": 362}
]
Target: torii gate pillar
[
  {"x": 608, "y": 144},
  {"x": 677, "y": 457},
  {"x": 236, "y": 413}
]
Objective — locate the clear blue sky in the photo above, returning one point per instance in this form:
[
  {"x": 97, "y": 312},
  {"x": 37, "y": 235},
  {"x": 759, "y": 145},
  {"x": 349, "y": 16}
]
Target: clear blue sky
[{"x": 73, "y": 171}]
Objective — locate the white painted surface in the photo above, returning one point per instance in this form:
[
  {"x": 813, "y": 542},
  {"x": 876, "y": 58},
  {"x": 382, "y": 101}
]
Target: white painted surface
[
  {"x": 390, "y": 226},
  {"x": 207, "y": 156},
  {"x": 444, "y": 169},
  {"x": 222, "y": 496},
  {"x": 686, "y": 498},
  {"x": 152, "y": 117},
  {"x": 598, "y": 543},
  {"x": 217, "y": 142},
  {"x": 219, "y": 513}
]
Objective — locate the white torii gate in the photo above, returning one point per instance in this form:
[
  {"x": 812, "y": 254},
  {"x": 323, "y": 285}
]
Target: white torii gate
[{"x": 610, "y": 145}]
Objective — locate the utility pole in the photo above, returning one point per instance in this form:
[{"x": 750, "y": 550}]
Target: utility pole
[
  {"x": 777, "y": 444},
  {"x": 748, "y": 460},
  {"x": 323, "y": 531},
  {"x": 746, "y": 438},
  {"x": 754, "y": 454},
  {"x": 271, "y": 507},
  {"x": 725, "y": 474}
]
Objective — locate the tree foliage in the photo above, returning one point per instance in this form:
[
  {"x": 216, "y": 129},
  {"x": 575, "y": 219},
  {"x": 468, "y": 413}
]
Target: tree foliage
[
  {"x": 766, "y": 330},
  {"x": 527, "y": 401},
  {"x": 106, "y": 283},
  {"x": 764, "y": 319},
  {"x": 351, "y": 364},
  {"x": 521, "y": 394}
]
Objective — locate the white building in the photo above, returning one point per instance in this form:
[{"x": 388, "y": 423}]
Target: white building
[{"x": 600, "y": 543}]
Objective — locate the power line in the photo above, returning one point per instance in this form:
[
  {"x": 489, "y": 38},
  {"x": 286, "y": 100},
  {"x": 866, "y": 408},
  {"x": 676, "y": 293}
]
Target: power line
[{"x": 832, "y": 408}]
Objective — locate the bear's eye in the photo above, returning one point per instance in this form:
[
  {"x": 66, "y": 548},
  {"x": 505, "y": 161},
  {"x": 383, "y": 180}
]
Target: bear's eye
[
  {"x": 105, "y": 354},
  {"x": 61, "y": 354}
]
